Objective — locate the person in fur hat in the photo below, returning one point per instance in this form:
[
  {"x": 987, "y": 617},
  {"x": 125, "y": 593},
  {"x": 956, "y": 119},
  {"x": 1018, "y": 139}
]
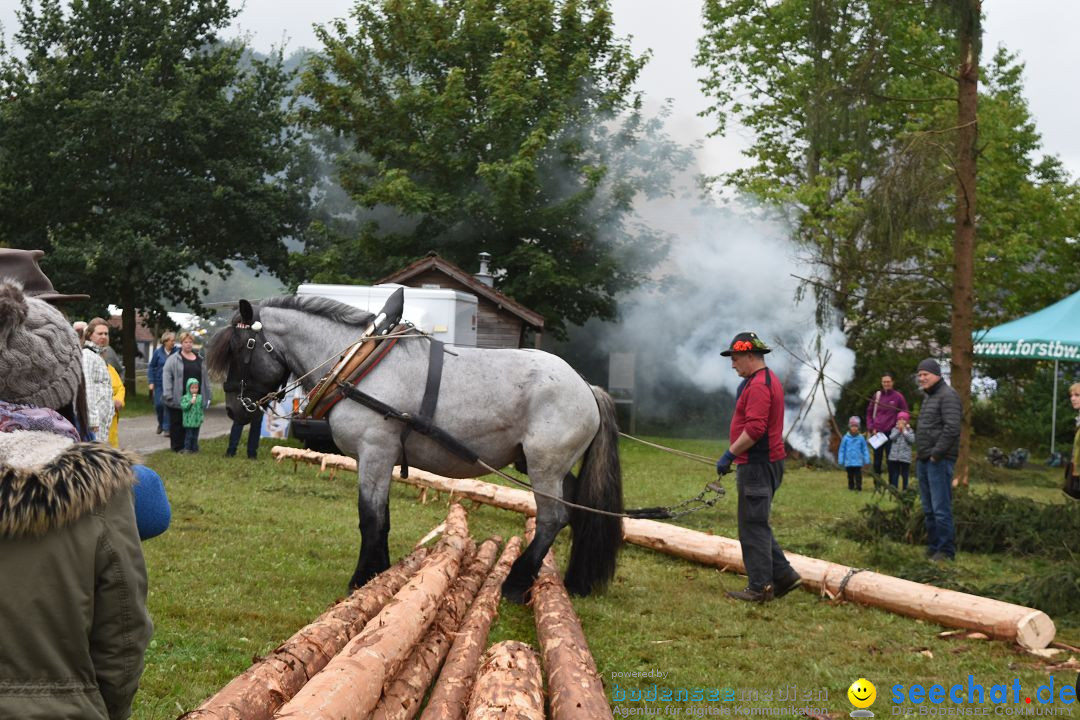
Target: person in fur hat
[{"x": 73, "y": 620}]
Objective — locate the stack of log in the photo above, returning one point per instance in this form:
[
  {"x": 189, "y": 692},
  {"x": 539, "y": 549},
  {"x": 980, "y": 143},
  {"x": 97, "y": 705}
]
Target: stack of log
[
  {"x": 377, "y": 653},
  {"x": 1031, "y": 629}
]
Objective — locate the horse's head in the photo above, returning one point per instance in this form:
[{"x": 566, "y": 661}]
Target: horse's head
[{"x": 247, "y": 361}]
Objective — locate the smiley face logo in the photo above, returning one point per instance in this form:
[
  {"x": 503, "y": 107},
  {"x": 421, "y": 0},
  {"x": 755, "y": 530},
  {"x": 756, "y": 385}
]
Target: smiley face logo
[{"x": 862, "y": 693}]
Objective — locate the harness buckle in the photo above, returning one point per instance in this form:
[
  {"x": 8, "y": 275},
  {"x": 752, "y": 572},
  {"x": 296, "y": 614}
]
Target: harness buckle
[
  {"x": 268, "y": 347},
  {"x": 251, "y": 344}
]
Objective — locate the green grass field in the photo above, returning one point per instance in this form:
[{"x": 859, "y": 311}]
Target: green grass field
[{"x": 257, "y": 550}]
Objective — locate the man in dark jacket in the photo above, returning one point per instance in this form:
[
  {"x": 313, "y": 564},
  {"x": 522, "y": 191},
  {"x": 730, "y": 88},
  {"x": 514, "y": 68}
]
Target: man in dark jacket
[
  {"x": 938, "y": 441},
  {"x": 757, "y": 450}
]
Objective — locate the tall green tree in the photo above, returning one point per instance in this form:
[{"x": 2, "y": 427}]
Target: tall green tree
[
  {"x": 856, "y": 109},
  {"x": 505, "y": 126},
  {"x": 137, "y": 147}
]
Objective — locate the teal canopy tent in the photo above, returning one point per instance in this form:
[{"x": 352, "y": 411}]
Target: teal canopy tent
[{"x": 1052, "y": 333}]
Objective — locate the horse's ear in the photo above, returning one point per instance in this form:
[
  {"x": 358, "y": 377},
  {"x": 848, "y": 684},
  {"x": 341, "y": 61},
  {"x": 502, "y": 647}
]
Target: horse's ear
[{"x": 246, "y": 313}]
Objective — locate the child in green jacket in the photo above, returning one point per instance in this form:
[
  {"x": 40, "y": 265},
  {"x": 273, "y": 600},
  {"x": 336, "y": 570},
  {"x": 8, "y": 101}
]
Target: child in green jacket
[{"x": 192, "y": 408}]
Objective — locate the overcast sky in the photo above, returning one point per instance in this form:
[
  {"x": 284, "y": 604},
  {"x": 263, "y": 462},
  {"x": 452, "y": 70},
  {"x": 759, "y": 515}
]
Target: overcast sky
[{"x": 1043, "y": 32}]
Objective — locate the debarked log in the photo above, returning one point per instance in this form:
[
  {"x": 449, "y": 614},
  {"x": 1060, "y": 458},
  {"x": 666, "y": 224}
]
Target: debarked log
[
  {"x": 509, "y": 685},
  {"x": 351, "y": 683},
  {"x": 1028, "y": 627},
  {"x": 1031, "y": 629},
  {"x": 258, "y": 692},
  {"x": 574, "y": 685},
  {"x": 450, "y": 697},
  {"x": 402, "y": 697}
]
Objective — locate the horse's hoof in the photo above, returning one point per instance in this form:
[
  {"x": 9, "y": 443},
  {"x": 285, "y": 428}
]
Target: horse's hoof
[
  {"x": 358, "y": 581},
  {"x": 515, "y": 593},
  {"x": 577, "y": 587}
]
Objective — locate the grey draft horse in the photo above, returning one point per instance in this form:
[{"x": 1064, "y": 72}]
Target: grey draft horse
[{"x": 523, "y": 407}]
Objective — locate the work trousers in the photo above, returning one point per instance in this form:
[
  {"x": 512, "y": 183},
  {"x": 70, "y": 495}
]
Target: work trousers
[
  {"x": 756, "y": 484},
  {"x": 935, "y": 493},
  {"x": 254, "y": 431},
  {"x": 176, "y": 429},
  {"x": 161, "y": 410}
]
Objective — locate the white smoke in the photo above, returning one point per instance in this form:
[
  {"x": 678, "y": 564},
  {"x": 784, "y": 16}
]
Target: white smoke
[{"x": 730, "y": 271}]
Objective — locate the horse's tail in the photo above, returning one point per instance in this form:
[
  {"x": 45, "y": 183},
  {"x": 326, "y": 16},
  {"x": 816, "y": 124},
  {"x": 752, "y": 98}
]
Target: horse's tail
[{"x": 597, "y": 537}]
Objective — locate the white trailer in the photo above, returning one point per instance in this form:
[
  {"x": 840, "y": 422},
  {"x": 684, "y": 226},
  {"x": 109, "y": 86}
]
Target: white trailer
[{"x": 448, "y": 315}]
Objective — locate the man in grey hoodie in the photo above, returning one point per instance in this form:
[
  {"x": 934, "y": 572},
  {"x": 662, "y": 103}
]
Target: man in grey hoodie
[{"x": 938, "y": 441}]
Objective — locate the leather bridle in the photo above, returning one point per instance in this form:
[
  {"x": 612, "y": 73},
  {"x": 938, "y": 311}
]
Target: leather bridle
[{"x": 252, "y": 338}]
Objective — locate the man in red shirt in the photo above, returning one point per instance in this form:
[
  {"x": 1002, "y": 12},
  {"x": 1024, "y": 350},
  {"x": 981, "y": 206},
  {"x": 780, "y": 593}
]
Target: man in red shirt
[{"x": 757, "y": 450}]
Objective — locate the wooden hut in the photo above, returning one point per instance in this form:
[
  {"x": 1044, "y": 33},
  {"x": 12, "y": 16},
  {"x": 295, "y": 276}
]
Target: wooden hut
[{"x": 501, "y": 321}]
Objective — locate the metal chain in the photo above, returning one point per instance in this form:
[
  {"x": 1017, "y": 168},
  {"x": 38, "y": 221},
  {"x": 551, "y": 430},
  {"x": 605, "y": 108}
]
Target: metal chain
[
  {"x": 676, "y": 511},
  {"x": 852, "y": 572},
  {"x": 668, "y": 512}
]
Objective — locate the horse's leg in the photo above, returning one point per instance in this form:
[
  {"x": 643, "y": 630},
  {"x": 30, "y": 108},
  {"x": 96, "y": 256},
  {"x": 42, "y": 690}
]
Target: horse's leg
[
  {"x": 373, "y": 508},
  {"x": 551, "y": 517}
]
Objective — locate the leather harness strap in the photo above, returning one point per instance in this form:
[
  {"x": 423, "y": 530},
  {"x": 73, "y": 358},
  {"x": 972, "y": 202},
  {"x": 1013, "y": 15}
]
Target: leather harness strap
[
  {"x": 431, "y": 398},
  {"x": 354, "y": 366},
  {"x": 423, "y": 421}
]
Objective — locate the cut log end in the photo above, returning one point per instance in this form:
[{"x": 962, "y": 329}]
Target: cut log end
[
  {"x": 1035, "y": 630},
  {"x": 508, "y": 684}
]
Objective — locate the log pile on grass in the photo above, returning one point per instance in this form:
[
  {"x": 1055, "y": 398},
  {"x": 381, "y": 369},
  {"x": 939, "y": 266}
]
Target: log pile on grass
[
  {"x": 402, "y": 696},
  {"x": 269, "y": 683},
  {"x": 375, "y": 654},
  {"x": 1030, "y": 628},
  {"x": 352, "y": 683},
  {"x": 450, "y": 696}
]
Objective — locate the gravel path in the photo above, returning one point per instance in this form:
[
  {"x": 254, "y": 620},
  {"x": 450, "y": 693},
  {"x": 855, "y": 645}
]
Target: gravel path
[{"x": 140, "y": 433}]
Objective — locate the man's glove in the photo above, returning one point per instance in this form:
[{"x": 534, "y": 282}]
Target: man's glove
[{"x": 723, "y": 465}]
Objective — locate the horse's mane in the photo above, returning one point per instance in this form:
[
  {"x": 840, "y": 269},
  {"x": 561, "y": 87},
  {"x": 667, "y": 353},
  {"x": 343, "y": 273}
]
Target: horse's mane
[
  {"x": 324, "y": 307},
  {"x": 217, "y": 357}
]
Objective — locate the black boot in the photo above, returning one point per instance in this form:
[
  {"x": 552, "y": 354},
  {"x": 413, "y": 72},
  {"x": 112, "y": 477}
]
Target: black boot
[
  {"x": 749, "y": 594},
  {"x": 786, "y": 584}
]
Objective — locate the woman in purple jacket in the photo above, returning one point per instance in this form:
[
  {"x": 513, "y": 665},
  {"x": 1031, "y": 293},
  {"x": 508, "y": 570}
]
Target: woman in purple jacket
[{"x": 881, "y": 416}]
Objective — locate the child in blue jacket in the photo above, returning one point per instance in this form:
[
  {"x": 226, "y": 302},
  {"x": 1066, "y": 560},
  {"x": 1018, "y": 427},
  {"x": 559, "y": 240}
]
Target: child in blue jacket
[{"x": 854, "y": 452}]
